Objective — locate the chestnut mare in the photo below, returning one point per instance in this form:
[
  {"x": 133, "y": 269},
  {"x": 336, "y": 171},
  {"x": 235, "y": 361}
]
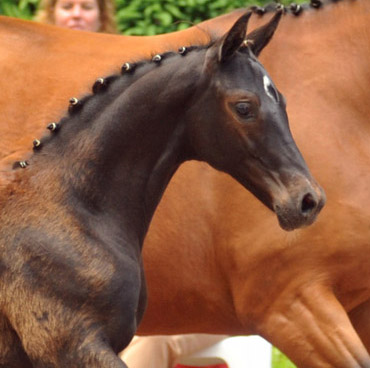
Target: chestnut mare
[
  {"x": 214, "y": 257},
  {"x": 73, "y": 221}
]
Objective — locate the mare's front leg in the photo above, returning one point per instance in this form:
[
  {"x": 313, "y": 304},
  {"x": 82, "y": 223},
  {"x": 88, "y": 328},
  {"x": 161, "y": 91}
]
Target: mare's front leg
[{"x": 313, "y": 329}]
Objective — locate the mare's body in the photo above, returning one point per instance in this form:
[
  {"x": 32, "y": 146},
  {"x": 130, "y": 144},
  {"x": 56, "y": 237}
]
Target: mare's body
[{"x": 247, "y": 275}]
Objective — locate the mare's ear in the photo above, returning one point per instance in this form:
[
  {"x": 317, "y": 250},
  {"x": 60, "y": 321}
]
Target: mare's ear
[
  {"x": 232, "y": 40},
  {"x": 261, "y": 36}
]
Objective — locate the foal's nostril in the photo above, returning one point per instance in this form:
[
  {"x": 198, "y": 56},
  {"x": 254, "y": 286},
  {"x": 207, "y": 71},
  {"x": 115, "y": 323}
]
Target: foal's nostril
[{"x": 308, "y": 203}]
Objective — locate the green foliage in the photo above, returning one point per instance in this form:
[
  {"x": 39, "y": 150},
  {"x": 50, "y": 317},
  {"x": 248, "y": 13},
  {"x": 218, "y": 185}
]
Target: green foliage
[
  {"x": 149, "y": 17},
  {"x": 18, "y": 8},
  {"x": 138, "y": 17},
  {"x": 279, "y": 360}
]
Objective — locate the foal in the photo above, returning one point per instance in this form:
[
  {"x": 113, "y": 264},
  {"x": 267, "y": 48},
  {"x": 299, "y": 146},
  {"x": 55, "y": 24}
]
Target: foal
[{"x": 74, "y": 219}]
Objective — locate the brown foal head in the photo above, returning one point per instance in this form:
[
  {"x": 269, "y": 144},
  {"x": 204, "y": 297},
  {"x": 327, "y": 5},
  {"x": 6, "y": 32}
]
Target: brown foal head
[{"x": 241, "y": 127}]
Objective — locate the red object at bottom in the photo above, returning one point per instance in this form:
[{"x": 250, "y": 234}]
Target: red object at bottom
[{"x": 203, "y": 366}]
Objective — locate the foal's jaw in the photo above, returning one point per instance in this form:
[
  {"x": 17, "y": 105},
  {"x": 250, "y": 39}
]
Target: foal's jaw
[{"x": 294, "y": 197}]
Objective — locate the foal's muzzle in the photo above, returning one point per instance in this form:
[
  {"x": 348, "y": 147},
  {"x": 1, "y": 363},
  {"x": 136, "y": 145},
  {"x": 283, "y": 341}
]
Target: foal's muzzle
[{"x": 300, "y": 208}]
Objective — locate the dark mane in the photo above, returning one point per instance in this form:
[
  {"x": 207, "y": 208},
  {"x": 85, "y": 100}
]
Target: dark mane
[
  {"x": 293, "y": 8},
  {"x": 104, "y": 90}
]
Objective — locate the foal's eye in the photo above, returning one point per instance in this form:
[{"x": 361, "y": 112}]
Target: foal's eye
[{"x": 244, "y": 109}]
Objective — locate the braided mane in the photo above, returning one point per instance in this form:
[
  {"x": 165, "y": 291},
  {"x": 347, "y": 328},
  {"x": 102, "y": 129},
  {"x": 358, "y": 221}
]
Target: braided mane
[
  {"x": 293, "y": 8},
  {"x": 104, "y": 90}
]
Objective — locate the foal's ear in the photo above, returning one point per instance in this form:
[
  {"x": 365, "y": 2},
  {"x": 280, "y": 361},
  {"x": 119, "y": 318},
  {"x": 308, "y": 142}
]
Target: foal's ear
[
  {"x": 232, "y": 40},
  {"x": 261, "y": 36}
]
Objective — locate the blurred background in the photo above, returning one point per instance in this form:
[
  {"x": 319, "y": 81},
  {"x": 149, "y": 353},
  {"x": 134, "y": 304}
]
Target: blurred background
[{"x": 150, "y": 17}]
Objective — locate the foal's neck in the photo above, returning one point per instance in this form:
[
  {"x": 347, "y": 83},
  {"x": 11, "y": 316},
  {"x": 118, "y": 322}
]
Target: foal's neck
[{"x": 118, "y": 163}]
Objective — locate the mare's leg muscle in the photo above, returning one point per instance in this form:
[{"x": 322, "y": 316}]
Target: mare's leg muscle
[{"x": 313, "y": 329}]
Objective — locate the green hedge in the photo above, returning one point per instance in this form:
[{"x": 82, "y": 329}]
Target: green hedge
[
  {"x": 138, "y": 17},
  {"x": 18, "y": 8},
  {"x": 279, "y": 360},
  {"x": 149, "y": 17}
]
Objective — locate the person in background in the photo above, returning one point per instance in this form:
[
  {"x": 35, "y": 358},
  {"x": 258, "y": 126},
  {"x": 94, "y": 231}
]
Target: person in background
[{"x": 85, "y": 15}]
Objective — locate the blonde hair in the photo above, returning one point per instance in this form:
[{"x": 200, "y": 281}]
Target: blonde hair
[{"x": 45, "y": 14}]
